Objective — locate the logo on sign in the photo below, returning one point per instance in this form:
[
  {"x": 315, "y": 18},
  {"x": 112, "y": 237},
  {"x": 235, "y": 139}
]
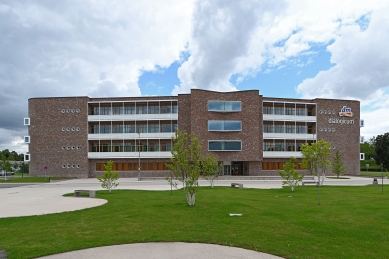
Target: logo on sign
[{"x": 345, "y": 112}]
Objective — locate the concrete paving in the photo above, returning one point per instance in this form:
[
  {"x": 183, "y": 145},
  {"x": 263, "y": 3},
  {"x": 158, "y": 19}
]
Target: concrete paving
[
  {"x": 164, "y": 251},
  {"x": 46, "y": 198}
]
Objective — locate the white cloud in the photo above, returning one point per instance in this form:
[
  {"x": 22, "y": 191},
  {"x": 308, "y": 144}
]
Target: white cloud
[
  {"x": 94, "y": 48},
  {"x": 361, "y": 61},
  {"x": 244, "y": 38},
  {"x": 376, "y": 122},
  {"x": 222, "y": 32},
  {"x": 13, "y": 140}
]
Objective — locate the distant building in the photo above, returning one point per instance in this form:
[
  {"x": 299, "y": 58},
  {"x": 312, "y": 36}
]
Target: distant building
[{"x": 251, "y": 134}]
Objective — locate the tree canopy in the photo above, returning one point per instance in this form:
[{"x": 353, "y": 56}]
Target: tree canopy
[
  {"x": 382, "y": 149},
  {"x": 11, "y": 155},
  {"x": 316, "y": 158},
  {"x": 368, "y": 148},
  {"x": 185, "y": 164}
]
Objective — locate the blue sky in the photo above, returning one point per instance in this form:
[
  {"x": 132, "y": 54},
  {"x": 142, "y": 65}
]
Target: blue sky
[
  {"x": 285, "y": 48},
  {"x": 277, "y": 82}
]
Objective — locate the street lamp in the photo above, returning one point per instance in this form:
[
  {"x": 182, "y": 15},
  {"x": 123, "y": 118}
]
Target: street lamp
[{"x": 139, "y": 157}]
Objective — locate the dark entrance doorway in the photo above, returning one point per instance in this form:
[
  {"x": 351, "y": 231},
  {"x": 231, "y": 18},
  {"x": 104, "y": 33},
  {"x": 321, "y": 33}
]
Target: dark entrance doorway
[{"x": 237, "y": 168}]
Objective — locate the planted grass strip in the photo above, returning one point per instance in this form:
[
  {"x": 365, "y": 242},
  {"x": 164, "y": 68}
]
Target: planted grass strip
[{"x": 351, "y": 222}]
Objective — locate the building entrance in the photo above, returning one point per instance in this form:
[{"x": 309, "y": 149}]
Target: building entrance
[
  {"x": 237, "y": 168},
  {"x": 226, "y": 170}
]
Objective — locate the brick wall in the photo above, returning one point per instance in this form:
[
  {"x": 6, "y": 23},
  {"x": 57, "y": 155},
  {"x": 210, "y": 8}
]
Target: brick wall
[
  {"x": 345, "y": 138},
  {"x": 58, "y": 136}
]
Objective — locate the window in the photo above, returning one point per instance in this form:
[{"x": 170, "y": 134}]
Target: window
[
  {"x": 27, "y": 157},
  {"x": 301, "y": 129},
  {"x": 267, "y": 110},
  {"x": 224, "y": 145},
  {"x": 268, "y": 146},
  {"x": 290, "y": 111},
  {"x": 267, "y": 128},
  {"x": 142, "y": 128},
  {"x": 129, "y": 109},
  {"x": 362, "y": 156},
  {"x": 279, "y": 110},
  {"x": 117, "y": 110},
  {"x": 117, "y": 129},
  {"x": 225, "y": 106},
  {"x": 26, "y": 121},
  {"x": 291, "y": 146},
  {"x": 279, "y": 128},
  {"x": 280, "y": 146},
  {"x": 151, "y": 110},
  {"x": 361, "y": 123},
  {"x": 129, "y": 128},
  {"x": 26, "y": 139},
  {"x": 301, "y": 112},
  {"x": 290, "y": 129},
  {"x": 224, "y": 125}
]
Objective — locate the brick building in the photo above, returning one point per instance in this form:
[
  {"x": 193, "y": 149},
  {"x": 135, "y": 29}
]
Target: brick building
[{"x": 251, "y": 134}]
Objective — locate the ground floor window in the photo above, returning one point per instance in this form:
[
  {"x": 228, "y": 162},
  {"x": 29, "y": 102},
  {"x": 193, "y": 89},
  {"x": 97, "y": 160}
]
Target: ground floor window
[
  {"x": 151, "y": 166},
  {"x": 278, "y": 166}
]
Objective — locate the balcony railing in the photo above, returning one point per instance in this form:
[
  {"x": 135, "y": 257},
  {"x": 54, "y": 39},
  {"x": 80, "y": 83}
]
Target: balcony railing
[
  {"x": 133, "y": 117},
  {"x": 119, "y": 136},
  {"x": 109, "y": 155},
  {"x": 276, "y": 117}
]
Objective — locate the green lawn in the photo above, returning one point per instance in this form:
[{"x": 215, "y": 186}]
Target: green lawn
[
  {"x": 351, "y": 222},
  {"x": 27, "y": 179}
]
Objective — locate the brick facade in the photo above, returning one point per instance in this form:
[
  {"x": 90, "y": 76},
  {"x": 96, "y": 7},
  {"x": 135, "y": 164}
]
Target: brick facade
[{"x": 59, "y": 132}]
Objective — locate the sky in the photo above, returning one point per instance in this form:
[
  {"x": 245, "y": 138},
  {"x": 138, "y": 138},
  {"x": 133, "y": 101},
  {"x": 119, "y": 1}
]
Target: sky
[{"x": 100, "y": 48}]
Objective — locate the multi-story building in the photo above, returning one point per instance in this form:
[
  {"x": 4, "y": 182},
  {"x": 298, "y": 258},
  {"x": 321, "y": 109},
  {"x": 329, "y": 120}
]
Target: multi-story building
[{"x": 252, "y": 135}]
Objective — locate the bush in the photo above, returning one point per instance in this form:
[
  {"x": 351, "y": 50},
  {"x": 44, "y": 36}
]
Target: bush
[{"x": 372, "y": 165}]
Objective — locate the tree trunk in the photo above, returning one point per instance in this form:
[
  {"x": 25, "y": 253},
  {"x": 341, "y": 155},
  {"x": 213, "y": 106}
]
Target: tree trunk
[{"x": 191, "y": 198}]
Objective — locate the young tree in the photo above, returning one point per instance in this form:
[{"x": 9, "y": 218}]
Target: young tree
[
  {"x": 290, "y": 175},
  {"x": 15, "y": 167},
  {"x": 382, "y": 150},
  {"x": 185, "y": 164},
  {"x": 108, "y": 180},
  {"x": 24, "y": 167},
  {"x": 337, "y": 165},
  {"x": 316, "y": 159},
  {"x": 5, "y": 166},
  {"x": 211, "y": 168}
]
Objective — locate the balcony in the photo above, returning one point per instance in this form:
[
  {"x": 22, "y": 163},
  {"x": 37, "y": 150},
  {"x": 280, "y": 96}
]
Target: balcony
[
  {"x": 276, "y": 117},
  {"x": 289, "y": 136},
  {"x": 135, "y": 155},
  {"x": 133, "y": 117},
  {"x": 281, "y": 154},
  {"x": 120, "y": 136}
]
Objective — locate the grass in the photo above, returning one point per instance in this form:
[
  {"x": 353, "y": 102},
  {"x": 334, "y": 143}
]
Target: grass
[
  {"x": 27, "y": 179},
  {"x": 335, "y": 177},
  {"x": 351, "y": 222}
]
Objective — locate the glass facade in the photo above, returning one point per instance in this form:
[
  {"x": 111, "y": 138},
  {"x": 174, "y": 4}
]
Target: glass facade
[
  {"x": 225, "y": 106},
  {"x": 224, "y": 145},
  {"x": 224, "y": 125}
]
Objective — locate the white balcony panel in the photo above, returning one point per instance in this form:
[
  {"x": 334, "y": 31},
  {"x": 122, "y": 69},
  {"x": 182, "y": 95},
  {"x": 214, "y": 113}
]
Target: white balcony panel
[
  {"x": 109, "y": 155},
  {"x": 143, "y": 136},
  {"x": 289, "y": 136},
  {"x": 275, "y": 117},
  {"x": 133, "y": 117},
  {"x": 281, "y": 154}
]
